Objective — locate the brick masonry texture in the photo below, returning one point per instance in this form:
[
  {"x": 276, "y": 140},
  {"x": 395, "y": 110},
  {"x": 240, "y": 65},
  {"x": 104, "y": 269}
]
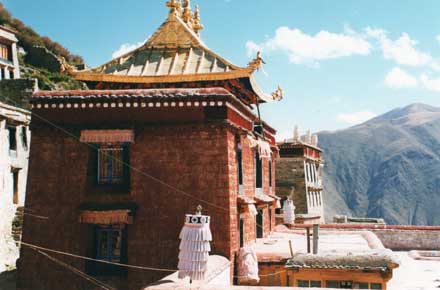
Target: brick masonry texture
[{"x": 198, "y": 158}]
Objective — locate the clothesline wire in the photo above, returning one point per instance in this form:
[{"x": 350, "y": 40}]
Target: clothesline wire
[
  {"x": 96, "y": 260},
  {"x": 125, "y": 163},
  {"x": 39, "y": 249},
  {"x": 78, "y": 272}
]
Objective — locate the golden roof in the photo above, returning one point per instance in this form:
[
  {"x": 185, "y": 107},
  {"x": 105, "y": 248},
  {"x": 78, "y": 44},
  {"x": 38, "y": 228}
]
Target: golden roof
[{"x": 174, "y": 53}]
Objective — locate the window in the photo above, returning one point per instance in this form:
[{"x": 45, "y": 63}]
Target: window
[
  {"x": 23, "y": 134},
  {"x": 109, "y": 243},
  {"x": 12, "y": 138},
  {"x": 241, "y": 231},
  {"x": 270, "y": 218},
  {"x": 375, "y": 286},
  {"x": 270, "y": 174},
  {"x": 112, "y": 165},
  {"x": 259, "y": 224},
  {"x": 4, "y": 52},
  {"x": 315, "y": 284},
  {"x": 308, "y": 284},
  {"x": 362, "y": 285},
  {"x": 240, "y": 168},
  {"x": 340, "y": 284},
  {"x": 15, "y": 173},
  {"x": 258, "y": 171}
]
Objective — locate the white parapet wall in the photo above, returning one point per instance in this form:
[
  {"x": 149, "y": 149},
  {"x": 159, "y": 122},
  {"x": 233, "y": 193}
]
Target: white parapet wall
[{"x": 13, "y": 177}]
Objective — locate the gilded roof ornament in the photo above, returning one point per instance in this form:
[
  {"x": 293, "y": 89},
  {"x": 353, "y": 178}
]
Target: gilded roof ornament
[
  {"x": 257, "y": 62},
  {"x": 197, "y": 26},
  {"x": 174, "y": 6},
  {"x": 187, "y": 13},
  {"x": 278, "y": 94}
]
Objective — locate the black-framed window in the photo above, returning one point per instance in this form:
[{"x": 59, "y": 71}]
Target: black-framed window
[
  {"x": 241, "y": 231},
  {"x": 240, "y": 168},
  {"x": 15, "y": 179},
  {"x": 259, "y": 224},
  {"x": 109, "y": 244},
  {"x": 270, "y": 174},
  {"x": 12, "y": 138},
  {"x": 339, "y": 284},
  {"x": 258, "y": 171},
  {"x": 308, "y": 283},
  {"x": 24, "y": 139},
  {"x": 113, "y": 166}
]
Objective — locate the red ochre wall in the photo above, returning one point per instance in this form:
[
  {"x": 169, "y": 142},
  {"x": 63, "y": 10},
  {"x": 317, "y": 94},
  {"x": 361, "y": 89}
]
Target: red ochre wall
[
  {"x": 197, "y": 159},
  {"x": 191, "y": 158}
]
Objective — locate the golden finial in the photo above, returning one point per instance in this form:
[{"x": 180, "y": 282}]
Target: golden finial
[
  {"x": 257, "y": 62},
  {"x": 187, "y": 13},
  {"x": 278, "y": 94},
  {"x": 173, "y": 5},
  {"x": 197, "y": 26}
]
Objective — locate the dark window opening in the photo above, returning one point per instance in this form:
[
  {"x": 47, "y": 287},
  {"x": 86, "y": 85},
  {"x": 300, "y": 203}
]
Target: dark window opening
[
  {"x": 315, "y": 284},
  {"x": 241, "y": 231},
  {"x": 308, "y": 284},
  {"x": 340, "y": 284},
  {"x": 258, "y": 128},
  {"x": 12, "y": 138},
  {"x": 270, "y": 173},
  {"x": 111, "y": 246},
  {"x": 270, "y": 218},
  {"x": 258, "y": 171},
  {"x": 259, "y": 224},
  {"x": 24, "y": 138},
  {"x": 240, "y": 168},
  {"x": 15, "y": 173},
  {"x": 113, "y": 165}
]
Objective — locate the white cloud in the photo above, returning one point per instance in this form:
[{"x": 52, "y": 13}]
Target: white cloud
[
  {"x": 356, "y": 117},
  {"x": 252, "y": 48},
  {"x": 402, "y": 50},
  {"x": 126, "y": 47},
  {"x": 398, "y": 78},
  {"x": 430, "y": 84},
  {"x": 304, "y": 48}
]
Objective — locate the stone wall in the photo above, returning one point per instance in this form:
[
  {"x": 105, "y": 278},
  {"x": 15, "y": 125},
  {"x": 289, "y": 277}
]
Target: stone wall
[
  {"x": 17, "y": 92},
  {"x": 409, "y": 239}
]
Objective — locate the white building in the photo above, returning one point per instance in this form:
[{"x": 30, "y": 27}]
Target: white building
[
  {"x": 14, "y": 155},
  {"x": 9, "y": 68}
]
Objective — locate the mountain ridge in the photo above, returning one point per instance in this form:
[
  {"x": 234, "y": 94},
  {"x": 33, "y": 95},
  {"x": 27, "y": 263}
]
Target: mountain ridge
[{"x": 386, "y": 167}]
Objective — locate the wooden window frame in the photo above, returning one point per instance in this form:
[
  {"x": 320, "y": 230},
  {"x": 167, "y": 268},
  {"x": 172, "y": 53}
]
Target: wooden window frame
[{"x": 111, "y": 180}]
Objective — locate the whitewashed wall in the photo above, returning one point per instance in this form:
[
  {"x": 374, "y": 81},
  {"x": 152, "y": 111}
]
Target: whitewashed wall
[{"x": 8, "y": 250}]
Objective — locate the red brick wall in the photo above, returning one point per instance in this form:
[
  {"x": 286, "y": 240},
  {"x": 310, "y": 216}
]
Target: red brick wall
[{"x": 191, "y": 158}]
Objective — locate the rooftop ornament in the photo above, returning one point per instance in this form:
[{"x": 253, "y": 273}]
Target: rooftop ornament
[
  {"x": 256, "y": 63},
  {"x": 194, "y": 246},
  {"x": 197, "y": 26}
]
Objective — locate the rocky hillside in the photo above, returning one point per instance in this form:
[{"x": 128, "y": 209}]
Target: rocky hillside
[
  {"x": 40, "y": 58},
  {"x": 386, "y": 167}
]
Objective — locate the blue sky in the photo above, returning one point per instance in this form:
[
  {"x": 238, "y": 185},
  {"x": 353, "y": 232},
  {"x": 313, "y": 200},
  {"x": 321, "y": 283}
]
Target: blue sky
[{"x": 339, "y": 62}]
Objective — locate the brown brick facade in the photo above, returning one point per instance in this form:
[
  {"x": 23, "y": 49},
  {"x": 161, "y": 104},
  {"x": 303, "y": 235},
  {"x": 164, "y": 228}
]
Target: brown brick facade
[{"x": 197, "y": 157}]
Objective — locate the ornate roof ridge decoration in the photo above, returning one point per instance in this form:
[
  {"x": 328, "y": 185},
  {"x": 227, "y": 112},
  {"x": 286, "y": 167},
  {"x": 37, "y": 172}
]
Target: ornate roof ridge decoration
[{"x": 175, "y": 53}]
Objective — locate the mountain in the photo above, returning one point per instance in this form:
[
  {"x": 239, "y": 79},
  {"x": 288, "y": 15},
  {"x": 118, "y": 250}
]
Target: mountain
[{"x": 386, "y": 167}]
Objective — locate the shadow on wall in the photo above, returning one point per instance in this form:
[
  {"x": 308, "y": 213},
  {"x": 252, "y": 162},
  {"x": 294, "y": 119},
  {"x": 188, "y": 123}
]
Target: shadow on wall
[{"x": 8, "y": 280}]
